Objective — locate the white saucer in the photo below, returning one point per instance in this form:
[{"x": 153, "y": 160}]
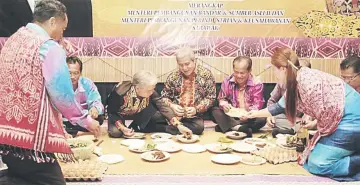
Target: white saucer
[
  {"x": 193, "y": 148},
  {"x": 226, "y": 159}
]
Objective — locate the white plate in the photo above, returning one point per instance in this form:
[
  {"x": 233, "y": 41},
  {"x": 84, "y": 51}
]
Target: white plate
[
  {"x": 268, "y": 145},
  {"x": 244, "y": 158},
  {"x": 138, "y": 148},
  {"x": 232, "y": 135},
  {"x": 128, "y": 142},
  {"x": 243, "y": 147},
  {"x": 161, "y": 140},
  {"x": 236, "y": 112},
  {"x": 193, "y": 148},
  {"x": 226, "y": 159},
  {"x": 312, "y": 132},
  {"x": 111, "y": 158},
  {"x": 214, "y": 147},
  {"x": 254, "y": 140},
  {"x": 169, "y": 147},
  {"x": 137, "y": 135},
  {"x": 161, "y": 135},
  {"x": 281, "y": 142},
  {"x": 193, "y": 139},
  {"x": 149, "y": 157},
  {"x": 86, "y": 137}
]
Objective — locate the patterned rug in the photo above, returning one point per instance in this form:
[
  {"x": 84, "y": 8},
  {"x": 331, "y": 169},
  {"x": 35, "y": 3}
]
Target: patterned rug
[{"x": 213, "y": 180}]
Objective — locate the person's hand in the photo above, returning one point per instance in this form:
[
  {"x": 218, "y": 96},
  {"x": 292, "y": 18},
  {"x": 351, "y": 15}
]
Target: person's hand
[
  {"x": 68, "y": 136},
  {"x": 184, "y": 130},
  {"x": 127, "y": 131},
  {"x": 179, "y": 111},
  {"x": 243, "y": 118},
  {"x": 93, "y": 113},
  {"x": 270, "y": 121},
  {"x": 190, "y": 111},
  {"x": 252, "y": 114},
  {"x": 226, "y": 107},
  {"x": 310, "y": 125},
  {"x": 94, "y": 127}
]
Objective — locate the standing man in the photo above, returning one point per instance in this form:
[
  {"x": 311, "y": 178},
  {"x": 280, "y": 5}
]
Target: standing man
[{"x": 35, "y": 89}]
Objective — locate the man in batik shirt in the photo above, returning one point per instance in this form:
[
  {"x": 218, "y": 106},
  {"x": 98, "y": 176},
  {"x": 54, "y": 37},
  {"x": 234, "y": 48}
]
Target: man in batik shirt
[
  {"x": 240, "y": 90},
  {"x": 190, "y": 92}
]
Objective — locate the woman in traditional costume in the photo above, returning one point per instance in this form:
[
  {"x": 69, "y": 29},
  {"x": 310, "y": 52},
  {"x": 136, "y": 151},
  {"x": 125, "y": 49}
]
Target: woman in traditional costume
[{"x": 332, "y": 151}]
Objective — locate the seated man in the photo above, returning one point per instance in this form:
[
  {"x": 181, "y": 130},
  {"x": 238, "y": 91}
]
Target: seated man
[
  {"x": 279, "y": 123},
  {"x": 240, "y": 90},
  {"x": 350, "y": 71},
  {"x": 86, "y": 94},
  {"x": 139, "y": 101},
  {"x": 189, "y": 92}
]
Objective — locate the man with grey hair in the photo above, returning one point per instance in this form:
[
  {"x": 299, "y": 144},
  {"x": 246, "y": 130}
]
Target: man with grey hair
[
  {"x": 189, "y": 92},
  {"x": 35, "y": 90},
  {"x": 139, "y": 101}
]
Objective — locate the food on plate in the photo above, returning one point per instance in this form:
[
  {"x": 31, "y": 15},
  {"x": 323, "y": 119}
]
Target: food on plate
[
  {"x": 158, "y": 155},
  {"x": 263, "y": 136},
  {"x": 290, "y": 141},
  {"x": 78, "y": 144},
  {"x": 222, "y": 148},
  {"x": 260, "y": 145},
  {"x": 157, "y": 136},
  {"x": 146, "y": 147},
  {"x": 254, "y": 140},
  {"x": 224, "y": 140}
]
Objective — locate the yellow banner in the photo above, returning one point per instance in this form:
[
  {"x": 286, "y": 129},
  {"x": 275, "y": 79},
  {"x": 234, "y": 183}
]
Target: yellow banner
[{"x": 231, "y": 18}]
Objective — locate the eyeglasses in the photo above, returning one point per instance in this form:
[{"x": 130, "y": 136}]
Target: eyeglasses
[{"x": 348, "y": 79}]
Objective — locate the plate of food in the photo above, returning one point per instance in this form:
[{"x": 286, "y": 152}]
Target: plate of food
[
  {"x": 262, "y": 145},
  {"x": 142, "y": 148},
  {"x": 287, "y": 143},
  {"x": 137, "y": 135},
  {"x": 252, "y": 160},
  {"x": 169, "y": 147},
  {"x": 218, "y": 148},
  {"x": 253, "y": 141},
  {"x": 161, "y": 136},
  {"x": 128, "y": 142},
  {"x": 235, "y": 135},
  {"x": 111, "y": 158},
  {"x": 236, "y": 112},
  {"x": 226, "y": 159},
  {"x": 187, "y": 139},
  {"x": 193, "y": 148},
  {"x": 155, "y": 156},
  {"x": 243, "y": 147},
  {"x": 224, "y": 140}
]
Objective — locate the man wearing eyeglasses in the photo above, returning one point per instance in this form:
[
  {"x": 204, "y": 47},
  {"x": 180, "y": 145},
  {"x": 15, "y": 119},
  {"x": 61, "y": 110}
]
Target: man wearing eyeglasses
[
  {"x": 86, "y": 94},
  {"x": 350, "y": 71}
]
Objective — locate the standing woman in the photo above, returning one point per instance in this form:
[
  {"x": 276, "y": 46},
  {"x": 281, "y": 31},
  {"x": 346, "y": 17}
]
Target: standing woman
[{"x": 333, "y": 151}]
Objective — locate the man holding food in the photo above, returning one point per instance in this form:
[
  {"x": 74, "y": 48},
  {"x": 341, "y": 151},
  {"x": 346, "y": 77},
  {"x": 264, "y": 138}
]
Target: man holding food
[{"x": 239, "y": 94}]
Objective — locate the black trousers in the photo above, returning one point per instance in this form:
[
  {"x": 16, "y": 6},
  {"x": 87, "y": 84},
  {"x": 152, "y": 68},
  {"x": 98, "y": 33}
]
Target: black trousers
[
  {"x": 74, "y": 129},
  {"x": 28, "y": 172},
  {"x": 226, "y": 122}
]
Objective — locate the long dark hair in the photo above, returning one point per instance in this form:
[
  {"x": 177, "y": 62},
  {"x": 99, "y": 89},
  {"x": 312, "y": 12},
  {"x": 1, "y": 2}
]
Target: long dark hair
[{"x": 285, "y": 57}]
